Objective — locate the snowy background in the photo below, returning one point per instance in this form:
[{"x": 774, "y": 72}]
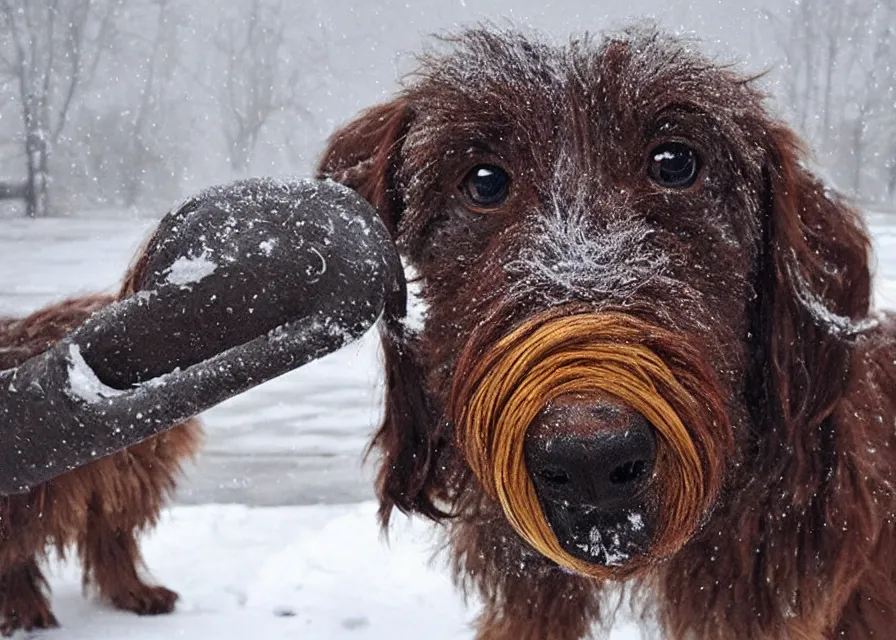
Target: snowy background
[
  {"x": 273, "y": 534},
  {"x": 140, "y": 101}
]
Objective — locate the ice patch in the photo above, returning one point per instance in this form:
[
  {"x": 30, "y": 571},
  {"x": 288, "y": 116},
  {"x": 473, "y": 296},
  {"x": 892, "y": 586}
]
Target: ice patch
[
  {"x": 82, "y": 380},
  {"x": 267, "y": 246},
  {"x": 186, "y": 271}
]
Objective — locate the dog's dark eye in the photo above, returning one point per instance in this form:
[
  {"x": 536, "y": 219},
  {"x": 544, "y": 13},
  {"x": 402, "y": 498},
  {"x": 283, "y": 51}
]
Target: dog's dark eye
[
  {"x": 486, "y": 186},
  {"x": 674, "y": 165}
]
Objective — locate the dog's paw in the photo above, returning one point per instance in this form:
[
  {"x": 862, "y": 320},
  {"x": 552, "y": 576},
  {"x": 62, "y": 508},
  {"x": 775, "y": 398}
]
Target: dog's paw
[
  {"x": 146, "y": 600},
  {"x": 36, "y": 617}
]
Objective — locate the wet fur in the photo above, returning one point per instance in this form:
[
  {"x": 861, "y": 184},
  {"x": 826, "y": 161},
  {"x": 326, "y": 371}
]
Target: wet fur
[
  {"x": 762, "y": 267},
  {"x": 99, "y": 509}
]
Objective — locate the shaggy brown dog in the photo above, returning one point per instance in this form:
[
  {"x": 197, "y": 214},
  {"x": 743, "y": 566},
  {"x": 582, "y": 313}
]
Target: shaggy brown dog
[
  {"x": 544, "y": 192},
  {"x": 100, "y": 508}
]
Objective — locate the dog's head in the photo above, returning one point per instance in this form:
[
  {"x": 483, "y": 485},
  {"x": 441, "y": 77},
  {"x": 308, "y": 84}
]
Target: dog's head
[{"x": 638, "y": 297}]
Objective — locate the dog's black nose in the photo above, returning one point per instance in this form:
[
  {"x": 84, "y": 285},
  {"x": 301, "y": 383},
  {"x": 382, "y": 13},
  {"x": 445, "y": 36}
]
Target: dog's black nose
[
  {"x": 591, "y": 452},
  {"x": 590, "y": 458}
]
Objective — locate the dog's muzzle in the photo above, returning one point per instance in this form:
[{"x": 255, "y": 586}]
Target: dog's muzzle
[{"x": 602, "y": 436}]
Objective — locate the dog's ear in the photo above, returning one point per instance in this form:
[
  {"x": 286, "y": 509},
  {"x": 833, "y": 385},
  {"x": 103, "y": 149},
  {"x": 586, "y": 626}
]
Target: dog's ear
[
  {"x": 815, "y": 287},
  {"x": 365, "y": 155},
  {"x": 407, "y": 438}
]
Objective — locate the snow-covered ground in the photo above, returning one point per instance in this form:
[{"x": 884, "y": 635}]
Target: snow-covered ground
[
  {"x": 311, "y": 572},
  {"x": 274, "y": 533}
]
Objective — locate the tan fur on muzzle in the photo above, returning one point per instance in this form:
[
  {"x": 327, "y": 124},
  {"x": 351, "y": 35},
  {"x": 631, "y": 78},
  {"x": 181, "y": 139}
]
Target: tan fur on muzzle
[{"x": 500, "y": 391}]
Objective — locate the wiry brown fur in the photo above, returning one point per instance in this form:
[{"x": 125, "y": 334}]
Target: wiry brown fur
[
  {"x": 99, "y": 508},
  {"x": 758, "y": 265}
]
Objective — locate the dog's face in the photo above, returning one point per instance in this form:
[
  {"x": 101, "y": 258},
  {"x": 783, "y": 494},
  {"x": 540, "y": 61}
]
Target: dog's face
[{"x": 631, "y": 180}]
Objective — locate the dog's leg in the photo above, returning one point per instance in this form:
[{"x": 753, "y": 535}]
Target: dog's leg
[
  {"x": 111, "y": 559},
  {"x": 23, "y": 601}
]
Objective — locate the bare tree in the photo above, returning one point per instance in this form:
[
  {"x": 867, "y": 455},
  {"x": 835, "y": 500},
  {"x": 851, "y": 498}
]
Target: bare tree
[
  {"x": 51, "y": 50},
  {"x": 259, "y": 79},
  {"x": 874, "y": 99},
  {"x": 145, "y": 116},
  {"x": 133, "y": 127},
  {"x": 891, "y": 167},
  {"x": 840, "y": 84}
]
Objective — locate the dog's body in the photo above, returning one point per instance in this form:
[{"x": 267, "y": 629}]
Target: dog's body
[
  {"x": 99, "y": 508},
  {"x": 633, "y": 177}
]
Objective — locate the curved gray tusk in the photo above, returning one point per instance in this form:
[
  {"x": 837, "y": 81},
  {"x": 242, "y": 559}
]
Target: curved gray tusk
[{"x": 233, "y": 295}]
